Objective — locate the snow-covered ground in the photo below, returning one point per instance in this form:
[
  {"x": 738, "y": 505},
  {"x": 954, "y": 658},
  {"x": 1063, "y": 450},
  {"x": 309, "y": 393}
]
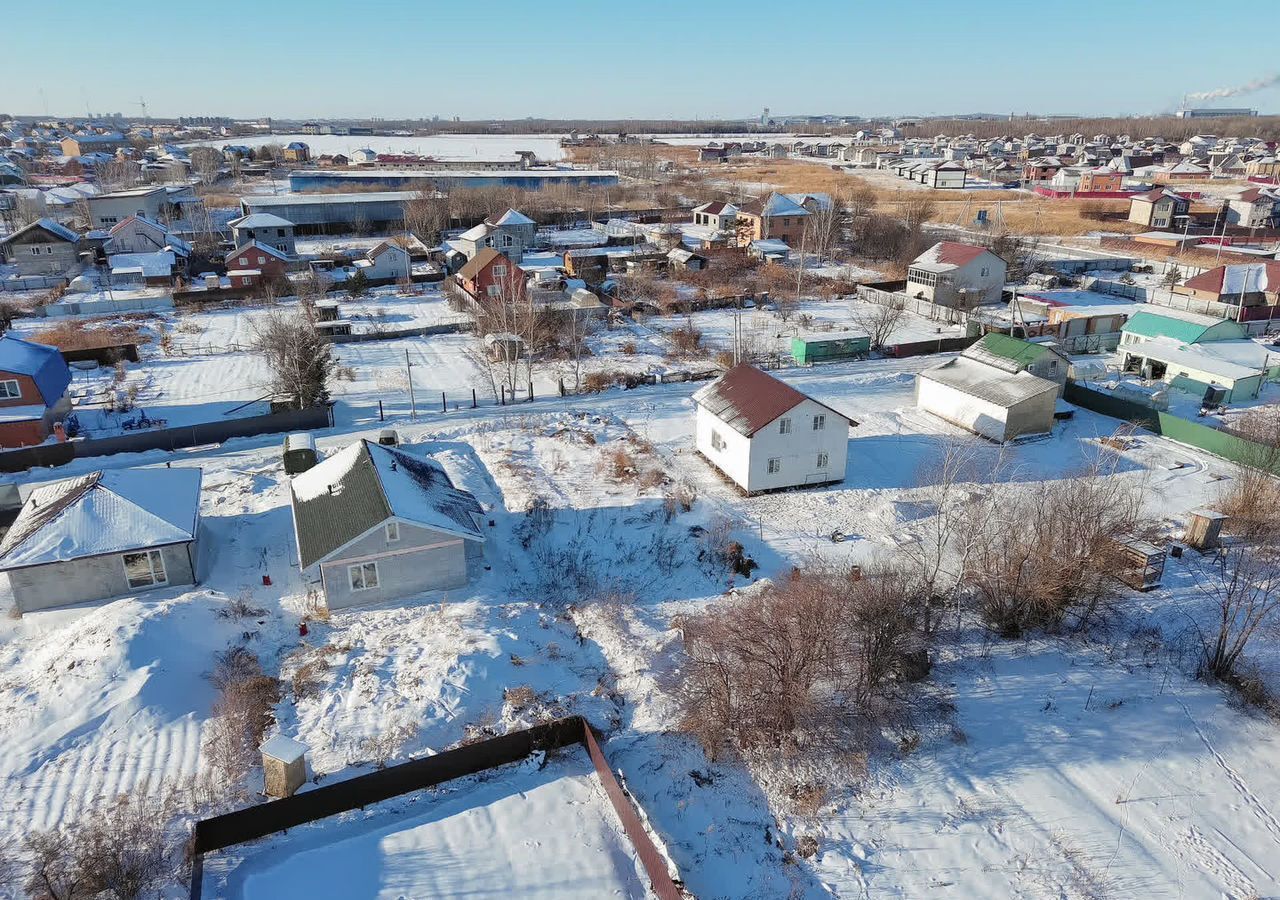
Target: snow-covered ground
[
  {"x": 539, "y": 829},
  {"x": 1061, "y": 767}
]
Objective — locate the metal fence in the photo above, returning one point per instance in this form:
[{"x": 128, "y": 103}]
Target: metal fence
[
  {"x": 166, "y": 438},
  {"x": 256, "y": 822}
]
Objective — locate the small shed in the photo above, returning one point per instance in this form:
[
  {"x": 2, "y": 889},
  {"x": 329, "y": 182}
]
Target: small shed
[
  {"x": 1205, "y": 529},
  {"x": 1142, "y": 563},
  {"x": 299, "y": 452},
  {"x": 811, "y": 349},
  {"x": 334, "y": 327},
  {"x": 284, "y": 764}
]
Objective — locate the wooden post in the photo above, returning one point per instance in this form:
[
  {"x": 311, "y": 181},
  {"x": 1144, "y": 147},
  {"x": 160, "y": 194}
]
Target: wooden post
[
  {"x": 444, "y": 405},
  {"x": 473, "y": 398},
  {"x": 530, "y": 390},
  {"x": 381, "y": 417}
]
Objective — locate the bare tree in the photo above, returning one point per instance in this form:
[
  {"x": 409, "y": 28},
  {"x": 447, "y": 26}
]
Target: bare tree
[
  {"x": 207, "y": 163},
  {"x": 878, "y": 320},
  {"x": 825, "y": 227},
  {"x": 301, "y": 361},
  {"x": 1254, "y": 493},
  {"x": 1244, "y": 589},
  {"x": 426, "y": 215}
]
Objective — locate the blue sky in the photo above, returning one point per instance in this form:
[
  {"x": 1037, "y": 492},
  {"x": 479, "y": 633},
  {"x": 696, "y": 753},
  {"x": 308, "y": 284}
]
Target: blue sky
[{"x": 635, "y": 59}]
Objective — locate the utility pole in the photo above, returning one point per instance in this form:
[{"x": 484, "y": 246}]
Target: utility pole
[{"x": 408, "y": 371}]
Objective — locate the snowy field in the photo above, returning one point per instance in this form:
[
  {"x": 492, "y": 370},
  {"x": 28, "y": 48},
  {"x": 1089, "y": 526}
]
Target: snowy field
[
  {"x": 1057, "y": 768},
  {"x": 441, "y": 146},
  {"x": 538, "y": 829}
]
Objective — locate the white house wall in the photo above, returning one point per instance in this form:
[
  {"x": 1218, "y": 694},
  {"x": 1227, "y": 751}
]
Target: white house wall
[
  {"x": 969, "y": 412},
  {"x": 746, "y": 460}
]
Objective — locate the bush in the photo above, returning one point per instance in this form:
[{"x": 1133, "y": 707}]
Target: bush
[
  {"x": 242, "y": 713},
  {"x": 797, "y": 665},
  {"x": 686, "y": 339}
]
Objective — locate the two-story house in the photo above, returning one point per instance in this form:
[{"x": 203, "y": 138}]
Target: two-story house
[
  {"x": 765, "y": 435},
  {"x": 956, "y": 275},
  {"x": 1158, "y": 208},
  {"x": 490, "y": 276},
  {"x": 265, "y": 228}
]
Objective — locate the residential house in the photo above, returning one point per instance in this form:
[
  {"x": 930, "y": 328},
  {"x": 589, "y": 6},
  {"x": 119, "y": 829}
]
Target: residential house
[
  {"x": 717, "y": 215},
  {"x": 686, "y": 260},
  {"x": 1180, "y": 326},
  {"x": 1041, "y": 169},
  {"x": 1254, "y": 208},
  {"x": 82, "y": 144},
  {"x": 377, "y": 523},
  {"x": 988, "y": 397},
  {"x": 765, "y": 435},
  {"x": 141, "y": 235},
  {"x": 1199, "y": 368},
  {"x": 385, "y": 261},
  {"x": 42, "y": 248},
  {"x": 511, "y": 234},
  {"x": 106, "y": 210},
  {"x": 944, "y": 175},
  {"x": 1100, "y": 180},
  {"x": 105, "y": 534},
  {"x": 1016, "y": 355},
  {"x": 255, "y": 263},
  {"x": 1264, "y": 167},
  {"x": 33, "y": 391},
  {"x": 1250, "y": 284},
  {"x": 1158, "y": 208},
  {"x": 957, "y": 275},
  {"x": 1182, "y": 171},
  {"x": 296, "y": 152},
  {"x": 155, "y": 269},
  {"x": 490, "y": 275},
  {"x": 265, "y": 228},
  {"x": 779, "y": 216}
]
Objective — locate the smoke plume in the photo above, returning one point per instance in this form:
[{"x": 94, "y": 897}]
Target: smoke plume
[{"x": 1258, "y": 84}]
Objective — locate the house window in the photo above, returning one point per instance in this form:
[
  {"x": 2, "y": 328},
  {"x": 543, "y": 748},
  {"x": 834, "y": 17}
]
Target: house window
[
  {"x": 144, "y": 569},
  {"x": 819, "y": 422},
  {"x": 364, "y": 576},
  {"x": 244, "y": 261},
  {"x": 822, "y": 460},
  {"x": 784, "y": 426},
  {"x": 985, "y": 271},
  {"x": 393, "y": 532},
  {"x": 499, "y": 271},
  {"x": 494, "y": 290},
  {"x": 775, "y": 465},
  {"x": 717, "y": 441},
  {"x": 10, "y": 389}
]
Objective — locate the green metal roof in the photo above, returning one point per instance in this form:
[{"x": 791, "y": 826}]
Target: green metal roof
[
  {"x": 1013, "y": 349},
  {"x": 1149, "y": 324}
]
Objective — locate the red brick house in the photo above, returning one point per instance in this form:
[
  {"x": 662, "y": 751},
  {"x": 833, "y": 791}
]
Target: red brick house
[
  {"x": 489, "y": 274},
  {"x": 254, "y": 263},
  {"x": 1101, "y": 180},
  {"x": 33, "y": 391},
  {"x": 1041, "y": 169}
]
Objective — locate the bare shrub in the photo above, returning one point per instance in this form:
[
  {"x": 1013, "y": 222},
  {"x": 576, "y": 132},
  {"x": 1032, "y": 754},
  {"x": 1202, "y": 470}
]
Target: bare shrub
[
  {"x": 120, "y": 852},
  {"x": 520, "y": 698},
  {"x": 879, "y": 321},
  {"x": 620, "y": 464},
  {"x": 1044, "y": 555},
  {"x": 686, "y": 339},
  {"x": 1254, "y": 494},
  {"x": 595, "y": 382},
  {"x": 801, "y": 664},
  {"x": 241, "y": 714},
  {"x": 241, "y": 607},
  {"x": 1244, "y": 590},
  {"x": 383, "y": 746}
]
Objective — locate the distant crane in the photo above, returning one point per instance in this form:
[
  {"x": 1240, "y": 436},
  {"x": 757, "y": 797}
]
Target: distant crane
[{"x": 142, "y": 102}]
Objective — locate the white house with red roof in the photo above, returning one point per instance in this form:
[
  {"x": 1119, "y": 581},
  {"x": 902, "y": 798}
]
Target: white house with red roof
[
  {"x": 956, "y": 275},
  {"x": 1254, "y": 207},
  {"x": 765, "y": 435}
]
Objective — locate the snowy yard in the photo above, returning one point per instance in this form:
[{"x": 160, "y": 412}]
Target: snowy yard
[{"x": 1053, "y": 767}]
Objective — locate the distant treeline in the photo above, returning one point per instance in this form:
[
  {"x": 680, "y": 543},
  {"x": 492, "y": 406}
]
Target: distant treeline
[{"x": 1168, "y": 127}]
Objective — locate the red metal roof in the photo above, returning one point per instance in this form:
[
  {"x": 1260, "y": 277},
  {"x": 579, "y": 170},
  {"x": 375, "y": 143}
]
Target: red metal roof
[
  {"x": 954, "y": 253},
  {"x": 747, "y": 399}
]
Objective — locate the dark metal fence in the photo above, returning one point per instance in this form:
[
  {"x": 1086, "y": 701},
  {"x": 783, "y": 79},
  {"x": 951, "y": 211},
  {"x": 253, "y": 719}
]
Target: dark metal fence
[
  {"x": 166, "y": 438},
  {"x": 259, "y": 821}
]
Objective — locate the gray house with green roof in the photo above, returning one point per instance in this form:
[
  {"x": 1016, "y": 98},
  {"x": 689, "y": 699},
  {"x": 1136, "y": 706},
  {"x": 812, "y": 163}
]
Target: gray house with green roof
[
  {"x": 377, "y": 523},
  {"x": 1011, "y": 354}
]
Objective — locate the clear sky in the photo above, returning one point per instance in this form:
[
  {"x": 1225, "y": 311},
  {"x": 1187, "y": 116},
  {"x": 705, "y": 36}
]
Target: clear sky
[{"x": 633, "y": 59}]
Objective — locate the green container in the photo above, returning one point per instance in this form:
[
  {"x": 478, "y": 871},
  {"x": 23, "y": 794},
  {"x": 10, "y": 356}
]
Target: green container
[{"x": 824, "y": 348}]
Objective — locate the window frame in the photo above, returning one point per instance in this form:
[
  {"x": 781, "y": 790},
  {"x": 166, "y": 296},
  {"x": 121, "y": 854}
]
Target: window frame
[
  {"x": 819, "y": 421},
  {"x": 824, "y": 459},
  {"x": 784, "y": 425},
  {"x": 4, "y": 389},
  {"x": 360, "y": 569},
  {"x": 774, "y": 466},
  {"x": 391, "y": 531},
  {"x": 155, "y": 562}
]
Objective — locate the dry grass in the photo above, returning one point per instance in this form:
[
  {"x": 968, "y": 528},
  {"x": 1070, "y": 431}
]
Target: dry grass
[{"x": 90, "y": 333}]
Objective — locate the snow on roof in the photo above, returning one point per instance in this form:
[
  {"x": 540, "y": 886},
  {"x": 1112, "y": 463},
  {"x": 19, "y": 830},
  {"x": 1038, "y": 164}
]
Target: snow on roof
[
  {"x": 283, "y": 748},
  {"x": 1238, "y": 278},
  {"x": 947, "y": 255},
  {"x": 747, "y": 399},
  {"x": 256, "y": 245},
  {"x": 150, "y": 265},
  {"x": 53, "y": 227},
  {"x": 823, "y": 337},
  {"x": 1176, "y": 353},
  {"x": 475, "y": 233},
  {"x": 512, "y": 217},
  {"x": 102, "y": 513},
  {"x": 987, "y": 382},
  {"x": 783, "y": 205},
  {"x": 260, "y": 220},
  {"x": 365, "y": 484},
  {"x": 40, "y": 362}
]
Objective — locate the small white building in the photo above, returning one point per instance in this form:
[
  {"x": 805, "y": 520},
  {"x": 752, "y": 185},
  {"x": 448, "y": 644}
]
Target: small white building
[
  {"x": 717, "y": 215},
  {"x": 765, "y": 435},
  {"x": 988, "y": 400},
  {"x": 387, "y": 260}
]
